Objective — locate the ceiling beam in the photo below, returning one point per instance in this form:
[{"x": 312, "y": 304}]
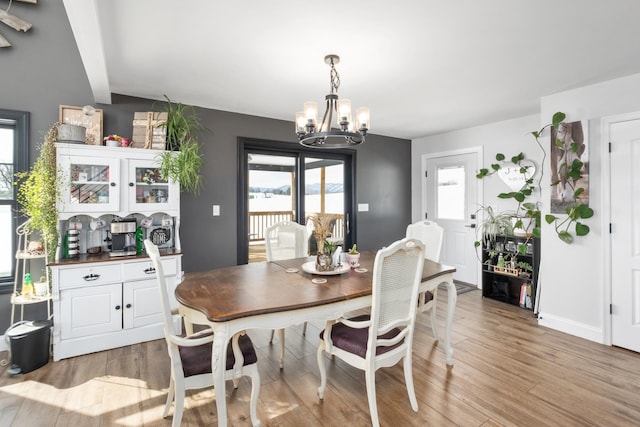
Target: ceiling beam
[{"x": 85, "y": 24}]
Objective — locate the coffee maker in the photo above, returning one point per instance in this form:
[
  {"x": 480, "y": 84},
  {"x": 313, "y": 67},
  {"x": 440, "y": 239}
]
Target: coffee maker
[{"x": 123, "y": 237}]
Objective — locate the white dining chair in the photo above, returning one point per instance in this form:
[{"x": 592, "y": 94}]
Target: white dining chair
[
  {"x": 286, "y": 240},
  {"x": 191, "y": 355},
  {"x": 432, "y": 236},
  {"x": 384, "y": 337}
]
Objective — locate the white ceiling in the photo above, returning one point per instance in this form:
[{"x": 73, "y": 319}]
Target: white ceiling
[{"x": 422, "y": 66}]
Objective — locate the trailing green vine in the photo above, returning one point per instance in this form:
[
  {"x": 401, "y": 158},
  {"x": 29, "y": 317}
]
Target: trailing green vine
[
  {"x": 568, "y": 171},
  {"x": 571, "y": 172},
  {"x": 524, "y": 209},
  {"x": 38, "y": 192}
]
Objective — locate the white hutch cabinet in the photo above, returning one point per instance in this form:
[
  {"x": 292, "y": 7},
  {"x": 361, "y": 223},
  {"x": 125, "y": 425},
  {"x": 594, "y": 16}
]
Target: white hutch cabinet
[{"x": 99, "y": 301}]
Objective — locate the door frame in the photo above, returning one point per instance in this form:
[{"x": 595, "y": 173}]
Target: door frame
[
  {"x": 479, "y": 152},
  {"x": 274, "y": 147},
  {"x": 607, "y": 242}
]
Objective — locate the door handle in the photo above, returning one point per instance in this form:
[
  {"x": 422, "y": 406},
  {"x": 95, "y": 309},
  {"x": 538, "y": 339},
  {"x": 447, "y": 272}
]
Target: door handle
[
  {"x": 347, "y": 224},
  {"x": 470, "y": 225}
]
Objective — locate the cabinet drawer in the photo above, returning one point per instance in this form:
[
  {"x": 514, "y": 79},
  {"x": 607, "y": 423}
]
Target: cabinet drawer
[
  {"x": 144, "y": 269},
  {"x": 89, "y": 276}
]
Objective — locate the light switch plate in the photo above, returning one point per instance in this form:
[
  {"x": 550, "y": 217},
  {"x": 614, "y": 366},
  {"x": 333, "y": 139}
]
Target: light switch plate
[
  {"x": 216, "y": 210},
  {"x": 363, "y": 207}
]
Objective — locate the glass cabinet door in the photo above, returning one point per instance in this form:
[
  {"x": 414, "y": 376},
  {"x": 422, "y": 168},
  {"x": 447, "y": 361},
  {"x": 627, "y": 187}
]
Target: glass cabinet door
[
  {"x": 148, "y": 191},
  {"x": 93, "y": 184}
]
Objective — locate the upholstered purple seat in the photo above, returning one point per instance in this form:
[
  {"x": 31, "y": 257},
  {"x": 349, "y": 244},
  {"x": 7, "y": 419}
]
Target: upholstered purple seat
[
  {"x": 428, "y": 296},
  {"x": 197, "y": 360},
  {"x": 397, "y": 273},
  {"x": 354, "y": 340},
  {"x": 191, "y": 356}
]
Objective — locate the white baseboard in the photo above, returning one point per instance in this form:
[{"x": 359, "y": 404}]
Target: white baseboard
[{"x": 571, "y": 327}]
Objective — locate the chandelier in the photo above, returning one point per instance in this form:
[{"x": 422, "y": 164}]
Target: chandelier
[{"x": 346, "y": 133}]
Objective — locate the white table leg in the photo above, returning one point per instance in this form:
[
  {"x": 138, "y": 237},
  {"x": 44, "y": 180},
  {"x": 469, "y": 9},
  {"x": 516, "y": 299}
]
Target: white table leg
[{"x": 451, "y": 307}]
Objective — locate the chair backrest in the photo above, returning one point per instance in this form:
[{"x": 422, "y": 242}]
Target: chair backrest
[
  {"x": 431, "y": 235},
  {"x": 286, "y": 240},
  {"x": 397, "y": 273},
  {"x": 154, "y": 254}
]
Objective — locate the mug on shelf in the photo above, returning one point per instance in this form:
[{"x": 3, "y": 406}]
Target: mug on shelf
[{"x": 98, "y": 223}]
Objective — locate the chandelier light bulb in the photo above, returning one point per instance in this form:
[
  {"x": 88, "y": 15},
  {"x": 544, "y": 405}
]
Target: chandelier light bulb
[
  {"x": 301, "y": 122},
  {"x": 363, "y": 117},
  {"x": 311, "y": 112},
  {"x": 344, "y": 112}
]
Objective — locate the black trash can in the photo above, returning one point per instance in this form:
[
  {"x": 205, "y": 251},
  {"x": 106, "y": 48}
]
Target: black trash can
[{"x": 29, "y": 343}]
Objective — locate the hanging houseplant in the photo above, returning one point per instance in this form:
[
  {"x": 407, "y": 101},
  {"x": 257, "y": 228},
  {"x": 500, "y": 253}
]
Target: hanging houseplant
[{"x": 182, "y": 162}]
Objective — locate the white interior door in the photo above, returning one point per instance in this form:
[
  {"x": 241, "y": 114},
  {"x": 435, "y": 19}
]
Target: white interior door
[
  {"x": 450, "y": 198},
  {"x": 625, "y": 238}
]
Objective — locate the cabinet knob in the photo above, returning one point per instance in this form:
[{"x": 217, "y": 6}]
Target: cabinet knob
[
  {"x": 150, "y": 270},
  {"x": 113, "y": 184},
  {"x": 128, "y": 306},
  {"x": 131, "y": 184},
  {"x": 117, "y": 307}
]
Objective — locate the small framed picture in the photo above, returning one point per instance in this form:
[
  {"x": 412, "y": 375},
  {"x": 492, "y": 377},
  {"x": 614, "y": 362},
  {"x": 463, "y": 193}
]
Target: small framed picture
[{"x": 89, "y": 117}]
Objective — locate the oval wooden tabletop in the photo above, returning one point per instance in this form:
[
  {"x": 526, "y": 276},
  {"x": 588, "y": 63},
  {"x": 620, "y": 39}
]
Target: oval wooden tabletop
[{"x": 229, "y": 293}]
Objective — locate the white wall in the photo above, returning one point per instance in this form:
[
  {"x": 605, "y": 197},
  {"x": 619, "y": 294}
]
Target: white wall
[
  {"x": 572, "y": 278},
  {"x": 575, "y": 291},
  {"x": 509, "y": 137}
]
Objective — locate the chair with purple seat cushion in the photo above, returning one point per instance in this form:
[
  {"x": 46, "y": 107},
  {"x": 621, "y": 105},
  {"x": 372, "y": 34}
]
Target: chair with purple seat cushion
[
  {"x": 191, "y": 356},
  {"x": 432, "y": 236},
  {"x": 384, "y": 337}
]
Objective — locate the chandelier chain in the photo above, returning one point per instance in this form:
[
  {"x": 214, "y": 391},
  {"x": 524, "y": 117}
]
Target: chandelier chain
[{"x": 335, "y": 78}]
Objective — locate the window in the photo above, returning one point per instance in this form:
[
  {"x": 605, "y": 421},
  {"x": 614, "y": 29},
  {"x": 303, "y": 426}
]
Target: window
[
  {"x": 451, "y": 192},
  {"x": 14, "y": 151}
]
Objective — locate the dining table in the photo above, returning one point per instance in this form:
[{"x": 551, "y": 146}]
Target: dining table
[{"x": 279, "y": 294}]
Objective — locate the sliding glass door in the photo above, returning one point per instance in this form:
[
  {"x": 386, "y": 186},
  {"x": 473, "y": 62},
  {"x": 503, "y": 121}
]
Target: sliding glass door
[
  {"x": 284, "y": 182},
  {"x": 324, "y": 197}
]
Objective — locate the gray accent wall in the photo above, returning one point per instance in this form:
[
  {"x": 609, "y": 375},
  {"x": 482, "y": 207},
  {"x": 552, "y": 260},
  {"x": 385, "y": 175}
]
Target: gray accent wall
[{"x": 43, "y": 69}]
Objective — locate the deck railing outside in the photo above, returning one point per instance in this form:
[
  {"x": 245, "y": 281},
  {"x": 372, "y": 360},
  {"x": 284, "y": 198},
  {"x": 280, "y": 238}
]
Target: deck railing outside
[{"x": 260, "y": 221}]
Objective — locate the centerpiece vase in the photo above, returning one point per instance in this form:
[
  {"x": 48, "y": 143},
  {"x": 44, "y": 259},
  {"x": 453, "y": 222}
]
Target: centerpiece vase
[{"x": 320, "y": 242}]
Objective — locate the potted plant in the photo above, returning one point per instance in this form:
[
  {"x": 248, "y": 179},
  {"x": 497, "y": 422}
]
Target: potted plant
[
  {"x": 322, "y": 226},
  {"x": 491, "y": 255},
  {"x": 353, "y": 256},
  {"x": 324, "y": 260},
  {"x": 38, "y": 192},
  {"x": 182, "y": 161},
  {"x": 525, "y": 269},
  {"x": 492, "y": 224}
]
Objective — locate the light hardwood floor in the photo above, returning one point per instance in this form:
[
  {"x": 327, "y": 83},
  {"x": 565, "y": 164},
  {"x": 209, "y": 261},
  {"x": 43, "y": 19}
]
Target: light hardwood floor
[{"x": 507, "y": 372}]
